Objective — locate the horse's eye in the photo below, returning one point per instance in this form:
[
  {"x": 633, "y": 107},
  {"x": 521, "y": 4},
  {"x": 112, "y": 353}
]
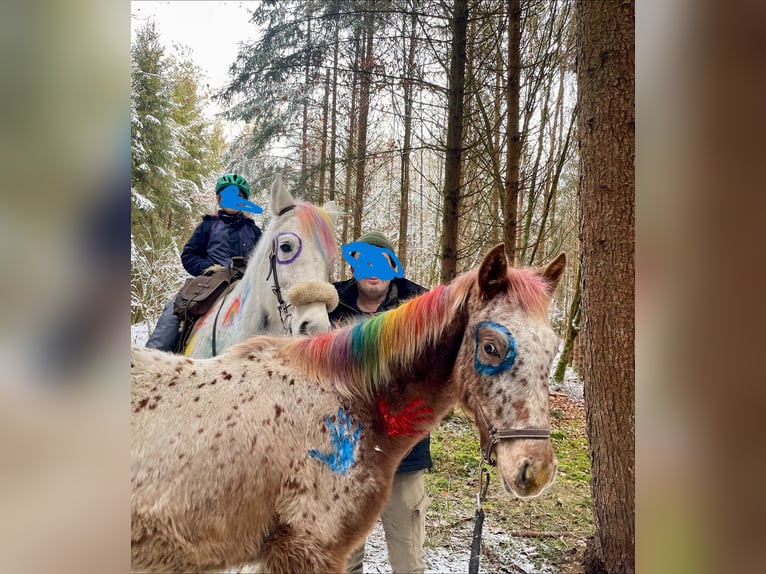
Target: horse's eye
[
  {"x": 285, "y": 248},
  {"x": 490, "y": 349}
]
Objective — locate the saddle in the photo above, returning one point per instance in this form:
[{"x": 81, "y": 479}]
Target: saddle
[{"x": 199, "y": 293}]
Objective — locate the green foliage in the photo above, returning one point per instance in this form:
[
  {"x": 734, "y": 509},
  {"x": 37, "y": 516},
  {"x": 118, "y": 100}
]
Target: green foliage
[
  {"x": 274, "y": 76},
  {"x": 175, "y": 152},
  {"x": 565, "y": 507}
]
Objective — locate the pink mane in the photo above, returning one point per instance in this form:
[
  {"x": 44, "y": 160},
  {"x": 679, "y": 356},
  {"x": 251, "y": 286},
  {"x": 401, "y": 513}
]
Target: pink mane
[
  {"x": 316, "y": 220},
  {"x": 528, "y": 289}
]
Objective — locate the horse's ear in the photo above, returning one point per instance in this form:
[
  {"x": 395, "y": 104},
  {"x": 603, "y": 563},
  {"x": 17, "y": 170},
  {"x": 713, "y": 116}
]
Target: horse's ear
[
  {"x": 493, "y": 272},
  {"x": 332, "y": 210},
  {"x": 280, "y": 197},
  {"x": 553, "y": 271}
]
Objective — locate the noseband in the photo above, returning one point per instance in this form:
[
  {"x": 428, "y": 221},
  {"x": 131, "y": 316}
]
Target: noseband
[
  {"x": 496, "y": 435},
  {"x": 284, "y": 308}
]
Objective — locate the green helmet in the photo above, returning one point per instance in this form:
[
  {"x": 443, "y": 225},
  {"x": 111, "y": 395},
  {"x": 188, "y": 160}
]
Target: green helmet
[{"x": 233, "y": 179}]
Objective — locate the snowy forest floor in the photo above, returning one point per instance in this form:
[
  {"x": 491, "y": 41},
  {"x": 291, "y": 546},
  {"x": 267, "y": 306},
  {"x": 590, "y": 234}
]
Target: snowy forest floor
[{"x": 543, "y": 535}]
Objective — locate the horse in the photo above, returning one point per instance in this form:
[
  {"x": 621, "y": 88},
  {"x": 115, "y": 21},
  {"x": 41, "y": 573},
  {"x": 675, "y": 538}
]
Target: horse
[
  {"x": 282, "y": 451},
  {"x": 285, "y": 287}
]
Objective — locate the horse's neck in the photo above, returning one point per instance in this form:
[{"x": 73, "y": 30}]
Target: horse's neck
[
  {"x": 406, "y": 352},
  {"x": 429, "y": 373}
]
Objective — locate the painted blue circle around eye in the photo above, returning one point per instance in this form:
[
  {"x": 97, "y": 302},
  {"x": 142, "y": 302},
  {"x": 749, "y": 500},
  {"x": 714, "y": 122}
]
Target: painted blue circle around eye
[
  {"x": 294, "y": 255},
  {"x": 510, "y": 357}
]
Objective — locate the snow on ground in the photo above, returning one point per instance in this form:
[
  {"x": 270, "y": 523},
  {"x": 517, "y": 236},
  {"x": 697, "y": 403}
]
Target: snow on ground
[
  {"x": 515, "y": 558},
  {"x": 571, "y": 385},
  {"x": 139, "y": 333}
]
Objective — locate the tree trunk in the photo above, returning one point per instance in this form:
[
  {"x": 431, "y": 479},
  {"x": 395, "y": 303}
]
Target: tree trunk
[
  {"x": 550, "y": 193},
  {"x": 350, "y": 147},
  {"x": 497, "y": 182},
  {"x": 513, "y": 157},
  {"x": 606, "y": 80},
  {"x": 364, "y": 110},
  {"x": 334, "y": 116},
  {"x": 572, "y": 329},
  {"x": 404, "y": 199},
  {"x": 453, "y": 162},
  {"x": 323, "y": 152},
  {"x": 305, "y": 127},
  {"x": 533, "y": 192}
]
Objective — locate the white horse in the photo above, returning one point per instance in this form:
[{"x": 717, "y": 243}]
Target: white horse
[{"x": 285, "y": 288}]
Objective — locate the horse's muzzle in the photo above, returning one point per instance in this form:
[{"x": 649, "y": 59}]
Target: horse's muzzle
[{"x": 530, "y": 473}]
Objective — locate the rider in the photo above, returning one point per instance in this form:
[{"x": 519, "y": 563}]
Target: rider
[{"x": 229, "y": 233}]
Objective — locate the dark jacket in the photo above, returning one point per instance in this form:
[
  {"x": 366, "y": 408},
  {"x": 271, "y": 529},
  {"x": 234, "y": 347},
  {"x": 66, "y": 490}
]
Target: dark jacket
[
  {"x": 217, "y": 239},
  {"x": 399, "y": 291}
]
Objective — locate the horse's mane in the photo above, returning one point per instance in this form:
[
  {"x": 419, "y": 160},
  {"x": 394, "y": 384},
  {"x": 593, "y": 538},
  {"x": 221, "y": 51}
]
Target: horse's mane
[
  {"x": 528, "y": 289},
  {"x": 316, "y": 220},
  {"x": 361, "y": 358}
]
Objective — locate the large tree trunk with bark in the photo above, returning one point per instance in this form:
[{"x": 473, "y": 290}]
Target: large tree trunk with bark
[
  {"x": 606, "y": 81},
  {"x": 453, "y": 163},
  {"x": 404, "y": 199},
  {"x": 513, "y": 158},
  {"x": 365, "y": 85}
]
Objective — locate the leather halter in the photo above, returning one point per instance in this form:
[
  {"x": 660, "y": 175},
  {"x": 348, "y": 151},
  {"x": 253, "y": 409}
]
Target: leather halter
[
  {"x": 496, "y": 436},
  {"x": 284, "y": 308}
]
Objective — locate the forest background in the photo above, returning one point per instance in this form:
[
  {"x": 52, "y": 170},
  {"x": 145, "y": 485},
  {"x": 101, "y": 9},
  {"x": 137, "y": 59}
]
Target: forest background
[
  {"x": 349, "y": 101},
  {"x": 449, "y": 133},
  {"x": 65, "y": 427}
]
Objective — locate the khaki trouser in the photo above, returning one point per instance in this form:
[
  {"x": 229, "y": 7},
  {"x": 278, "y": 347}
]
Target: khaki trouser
[{"x": 404, "y": 522}]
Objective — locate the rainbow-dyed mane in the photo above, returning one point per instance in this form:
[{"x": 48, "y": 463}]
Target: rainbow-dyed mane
[
  {"x": 302, "y": 238},
  {"x": 283, "y": 450},
  {"x": 363, "y": 357}
]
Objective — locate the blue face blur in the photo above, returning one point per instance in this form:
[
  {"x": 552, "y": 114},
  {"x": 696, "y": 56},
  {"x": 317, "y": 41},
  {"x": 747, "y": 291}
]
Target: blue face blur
[
  {"x": 370, "y": 261},
  {"x": 232, "y": 200}
]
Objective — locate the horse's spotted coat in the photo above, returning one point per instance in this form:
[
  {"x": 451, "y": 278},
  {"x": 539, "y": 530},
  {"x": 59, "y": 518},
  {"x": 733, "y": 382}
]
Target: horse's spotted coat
[{"x": 222, "y": 465}]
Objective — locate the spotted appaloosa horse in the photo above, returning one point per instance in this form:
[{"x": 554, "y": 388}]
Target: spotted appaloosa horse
[
  {"x": 282, "y": 451},
  {"x": 294, "y": 254}
]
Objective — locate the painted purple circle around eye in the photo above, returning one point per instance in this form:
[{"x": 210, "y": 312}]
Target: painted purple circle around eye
[{"x": 292, "y": 249}]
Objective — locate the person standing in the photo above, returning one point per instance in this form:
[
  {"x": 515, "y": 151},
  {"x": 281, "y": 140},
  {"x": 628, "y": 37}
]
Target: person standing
[
  {"x": 229, "y": 233},
  {"x": 403, "y": 517}
]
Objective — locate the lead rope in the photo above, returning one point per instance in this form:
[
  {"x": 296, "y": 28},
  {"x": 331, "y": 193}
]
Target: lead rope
[
  {"x": 494, "y": 436},
  {"x": 481, "y": 495}
]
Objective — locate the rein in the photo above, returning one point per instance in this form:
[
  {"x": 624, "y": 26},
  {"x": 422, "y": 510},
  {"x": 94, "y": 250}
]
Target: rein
[
  {"x": 495, "y": 436},
  {"x": 284, "y": 308},
  {"x": 236, "y": 264}
]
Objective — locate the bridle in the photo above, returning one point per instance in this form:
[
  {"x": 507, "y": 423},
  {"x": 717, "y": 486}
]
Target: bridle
[
  {"x": 496, "y": 435},
  {"x": 284, "y": 308}
]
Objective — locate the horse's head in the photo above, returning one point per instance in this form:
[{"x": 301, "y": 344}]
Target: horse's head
[
  {"x": 300, "y": 247},
  {"x": 503, "y": 369}
]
